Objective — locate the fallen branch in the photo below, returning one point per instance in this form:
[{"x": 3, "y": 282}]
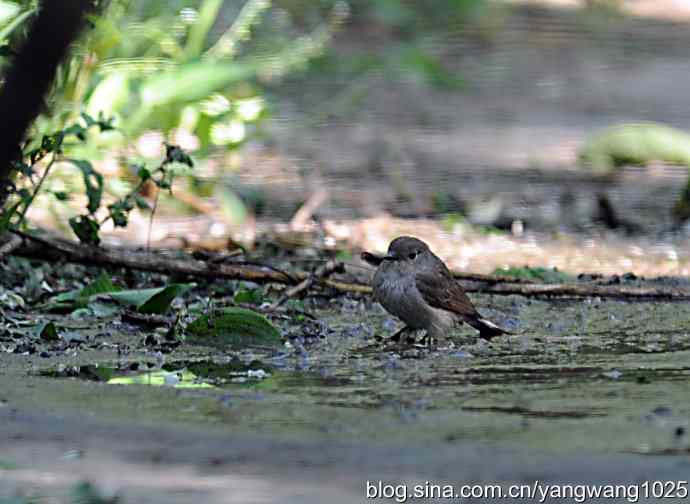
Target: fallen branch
[
  {"x": 586, "y": 290},
  {"x": 97, "y": 256},
  {"x": 62, "y": 250}
]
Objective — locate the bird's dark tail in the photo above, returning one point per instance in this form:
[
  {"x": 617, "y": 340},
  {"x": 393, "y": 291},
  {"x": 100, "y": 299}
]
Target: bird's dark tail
[{"x": 486, "y": 328}]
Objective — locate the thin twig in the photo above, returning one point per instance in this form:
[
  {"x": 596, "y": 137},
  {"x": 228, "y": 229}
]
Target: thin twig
[
  {"x": 153, "y": 213},
  {"x": 37, "y": 189},
  {"x": 321, "y": 273},
  {"x": 301, "y": 218}
]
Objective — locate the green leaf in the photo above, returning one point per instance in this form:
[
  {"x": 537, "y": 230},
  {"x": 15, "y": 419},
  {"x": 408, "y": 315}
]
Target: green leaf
[
  {"x": 52, "y": 143},
  {"x": 86, "y": 229},
  {"x": 135, "y": 297},
  {"x": 93, "y": 182},
  {"x": 15, "y": 23},
  {"x": 175, "y": 154},
  {"x": 159, "y": 303},
  {"x": 6, "y": 216},
  {"x": 231, "y": 205},
  {"x": 8, "y": 10},
  {"x": 431, "y": 69},
  {"x": 80, "y": 298},
  {"x": 119, "y": 211},
  {"x": 249, "y": 296},
  {"x": 233, "y": 328},
  {"x": 77, "y": 130},
  {"x": 155, "y": 300},
  {"x": 192, "y": 82},
  {"x": 199, "y": 30},
  {"x": 100, "y": 285},
  {"x": 48, "y": 331},
  {"x": 141, "y": 202},
  {"x": 143, "y": 173}
]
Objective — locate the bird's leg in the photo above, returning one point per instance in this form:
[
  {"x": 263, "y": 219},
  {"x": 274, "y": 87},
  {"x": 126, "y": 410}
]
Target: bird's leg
[{"x": 428, "y": 339}]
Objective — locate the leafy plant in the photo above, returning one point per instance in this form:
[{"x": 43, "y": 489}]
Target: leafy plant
[
  {"x": 44, "y": 155},
  {"x": 41, "y": 156},
  {"x": 155, "y": 300}
]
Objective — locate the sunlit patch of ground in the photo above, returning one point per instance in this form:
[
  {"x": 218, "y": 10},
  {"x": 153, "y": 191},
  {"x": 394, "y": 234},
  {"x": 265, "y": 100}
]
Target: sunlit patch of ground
[{"x": 675, "y": 10}]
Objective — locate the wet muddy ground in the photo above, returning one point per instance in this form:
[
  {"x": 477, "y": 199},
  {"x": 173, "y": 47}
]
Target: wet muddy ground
[{"x": 597, "y": 385}]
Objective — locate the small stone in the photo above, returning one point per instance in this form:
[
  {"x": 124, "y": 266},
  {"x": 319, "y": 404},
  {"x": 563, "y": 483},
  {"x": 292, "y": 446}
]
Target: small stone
[
  {"x": 662, "y": 411},
  {"x": 614, "y": 374}
]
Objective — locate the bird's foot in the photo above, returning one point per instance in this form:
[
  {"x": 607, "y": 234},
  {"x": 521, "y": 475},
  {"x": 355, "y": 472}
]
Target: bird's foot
[
  {"x": 428, "y": 341},
  {"x": 398, "y": 336}
]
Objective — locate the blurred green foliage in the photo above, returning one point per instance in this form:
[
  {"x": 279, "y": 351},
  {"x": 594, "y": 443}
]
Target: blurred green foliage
[
  {"x": 537, "y": 274},
  {"x": 172, "y": 66},
  {"x": 196, "y": 72},
  {"x": 183, "y": 69}
]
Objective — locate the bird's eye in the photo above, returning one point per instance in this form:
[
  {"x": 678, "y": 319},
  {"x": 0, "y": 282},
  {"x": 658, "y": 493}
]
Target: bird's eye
[{"x": 412, "y": 255}]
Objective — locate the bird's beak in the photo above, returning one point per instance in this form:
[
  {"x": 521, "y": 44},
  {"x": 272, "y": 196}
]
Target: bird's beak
[
  {"x": 390, "y": 258},
  {"x": 372, "y": 259}
]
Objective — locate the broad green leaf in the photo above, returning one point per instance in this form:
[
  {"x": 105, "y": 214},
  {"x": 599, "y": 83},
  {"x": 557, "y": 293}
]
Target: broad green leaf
[
  {"x": 80, "y": 298},
  {"x": 193, "y": 81},
  {"x": 233, "y": 328},
  {"x": 199, "y": 30},
  {"x": 15, "y": 23},
  {"x": 48, "y": 331},
  {"x": 134, "y": 297},
  {"x": 156, "y": 300},
  {"x": 159, "y": 303},
  {"x": 8, "y": 10},
  {"x": 100, "y": 285},
  {"x": 109, "y": 96}
]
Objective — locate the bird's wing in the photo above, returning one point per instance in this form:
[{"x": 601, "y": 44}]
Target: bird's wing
[{"x": 440, "y": 290}]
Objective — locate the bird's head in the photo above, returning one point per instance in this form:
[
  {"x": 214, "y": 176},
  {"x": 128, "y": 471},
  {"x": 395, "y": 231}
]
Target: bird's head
[{"x": 407, "y": 253}]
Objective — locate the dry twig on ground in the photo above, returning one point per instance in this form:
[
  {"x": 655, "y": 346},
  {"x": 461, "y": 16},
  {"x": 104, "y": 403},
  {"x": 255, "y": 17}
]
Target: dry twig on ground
[{"x": 321, "y": 273}]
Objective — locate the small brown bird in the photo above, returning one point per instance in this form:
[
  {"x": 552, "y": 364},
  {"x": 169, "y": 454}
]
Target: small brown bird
[{"x": 413, "y": 284}]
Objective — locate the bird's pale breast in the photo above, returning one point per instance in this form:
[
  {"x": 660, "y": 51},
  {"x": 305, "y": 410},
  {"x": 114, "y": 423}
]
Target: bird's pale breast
[{"x": 399, "y": 296}]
